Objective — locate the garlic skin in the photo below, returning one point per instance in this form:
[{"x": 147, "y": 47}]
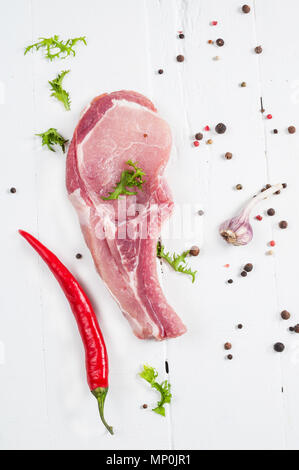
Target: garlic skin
[{"x": 238, "y": 230}]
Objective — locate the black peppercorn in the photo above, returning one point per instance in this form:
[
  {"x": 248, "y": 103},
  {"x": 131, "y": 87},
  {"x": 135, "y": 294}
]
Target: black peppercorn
[
  {"x": 258, "y": 49},
  {"x": 228, "y": 155},
  {"x": 198, "y": 136},
  {"x": 180, "y": 58},
  {"x": 220, "y": 128},
  {"x": 243, "y": 273},
  {"x": 194, "y": 251},
  {"x": 227, "y": 346},
  {"x": 275, "y": 131},
  {"x": 279, "y": 347},
  {"x": 248, "y": 267},
  {"x": 78, "y": 256},
  {"x": 220, "y": 42},
  {"x": 283, "y": 224},
  {"x": 230, "y": 281},
  {"x": 181, "y": 36},
  {"x": 229, "y": 357},
  {"x": 292, "y": 129},
  {"x": 160, "y": 71},
  {"x": 285, "y": 315},
  {"x": 246, "y": 8},
  {"x": 271, "y": 211},
  {"x": 13, "y": 190},
  {"x": 240, "y": 326}
]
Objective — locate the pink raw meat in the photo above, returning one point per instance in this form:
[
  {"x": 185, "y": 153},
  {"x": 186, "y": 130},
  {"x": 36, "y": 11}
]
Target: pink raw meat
[{"x": 115, "y": 128}]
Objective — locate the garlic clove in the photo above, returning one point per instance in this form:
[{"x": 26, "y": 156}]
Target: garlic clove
[{"x": 238, "y": 231}]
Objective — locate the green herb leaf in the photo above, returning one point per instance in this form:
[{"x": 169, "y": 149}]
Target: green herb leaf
[
  {"x": 178, "y": 262},
  {"x": 58, "y": 92},
  {"x": 150, "y": 374},
  {"x": 54, "y": 48},
  {"x": 129, "y": 179},
  {"x": 52, "y": 137}
]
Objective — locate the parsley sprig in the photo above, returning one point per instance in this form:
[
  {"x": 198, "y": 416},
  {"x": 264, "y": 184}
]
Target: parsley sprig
[
  {"x": 178, "y": 262},
  {"x": 150, "y": 374},
  {"x": 57, "y": 90},
  {"x": 52, "y": 137},
  {"x": 129, "y": 179},
  {"x": 54, "y": 48}
]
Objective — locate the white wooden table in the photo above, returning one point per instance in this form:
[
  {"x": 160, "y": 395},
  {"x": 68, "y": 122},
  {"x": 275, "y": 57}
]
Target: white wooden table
[{"x": 217, "y": 404}]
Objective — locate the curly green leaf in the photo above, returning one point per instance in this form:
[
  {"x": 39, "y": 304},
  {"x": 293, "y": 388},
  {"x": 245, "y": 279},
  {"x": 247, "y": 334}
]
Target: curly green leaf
[
  {"x": 58, "y": 92},
  {"x": 56, "y": 48},
  {"x": 150, "y": 374},
  {"x": 177, "y": 262},
  {"x": 52, "y": 137},
  {"x": 129, "y": 179}
]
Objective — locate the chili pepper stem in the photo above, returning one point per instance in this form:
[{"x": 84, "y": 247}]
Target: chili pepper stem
[{"x": 100, "y": 394}]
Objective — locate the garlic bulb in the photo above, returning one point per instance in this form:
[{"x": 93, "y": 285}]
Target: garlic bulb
[{"x": 238, "y": 230}]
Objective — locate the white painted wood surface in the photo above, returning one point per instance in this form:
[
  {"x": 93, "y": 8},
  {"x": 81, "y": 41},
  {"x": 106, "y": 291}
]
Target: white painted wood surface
[{"x": 217, "y": 404}]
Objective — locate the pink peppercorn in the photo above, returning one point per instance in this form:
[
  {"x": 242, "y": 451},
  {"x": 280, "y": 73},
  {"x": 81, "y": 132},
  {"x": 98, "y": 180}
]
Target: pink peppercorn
[
  {"x": 207, "y": 128},
  {"x": 196, "y": 143},
  {"x": 269, "y": 116},
  {"x": 272, "y": 243},
  {"x": 259, "y": 217},
  {"x": 214, "y": 23}
]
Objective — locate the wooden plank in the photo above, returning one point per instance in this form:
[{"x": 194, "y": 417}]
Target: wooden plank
[
  {"x": 279, "y": 83},
  {"x": 23, "y": 405}
]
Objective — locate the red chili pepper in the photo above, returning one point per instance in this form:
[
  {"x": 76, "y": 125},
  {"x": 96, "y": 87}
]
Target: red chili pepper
[{"x": 95, "y": 350}]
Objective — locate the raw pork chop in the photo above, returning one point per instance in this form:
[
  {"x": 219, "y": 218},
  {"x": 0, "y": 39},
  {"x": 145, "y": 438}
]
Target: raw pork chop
[{"x": 122, "y": 234}]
